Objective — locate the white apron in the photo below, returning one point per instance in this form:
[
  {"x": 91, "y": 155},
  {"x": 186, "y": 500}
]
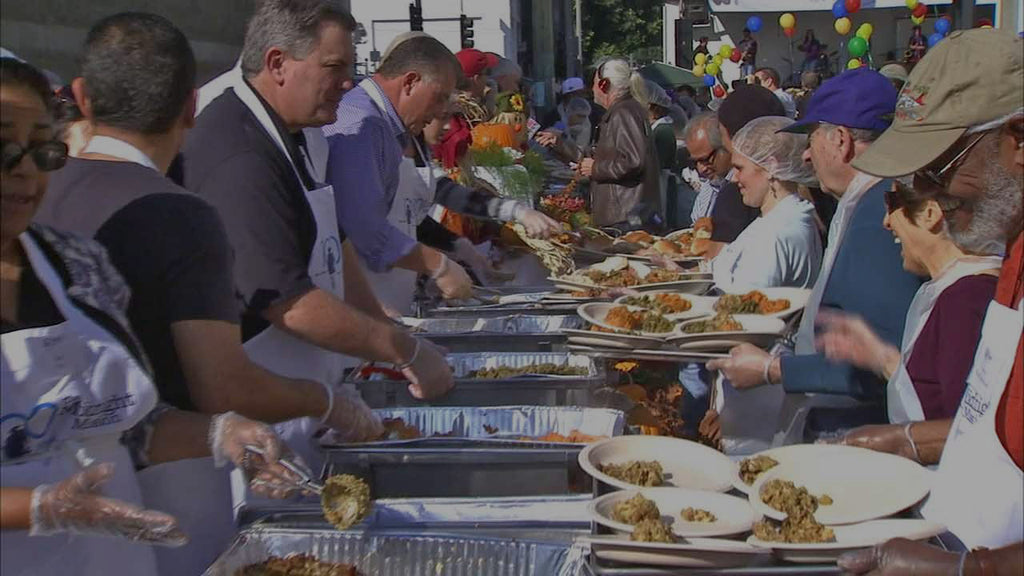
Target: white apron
[
  {"x": 193, "y": 490},
  {"x": 796, "y": 406},
  {"x": 69, "y": 391},
  {"x": 902, "y": 400},
  {"x": 976, "y": 492}
]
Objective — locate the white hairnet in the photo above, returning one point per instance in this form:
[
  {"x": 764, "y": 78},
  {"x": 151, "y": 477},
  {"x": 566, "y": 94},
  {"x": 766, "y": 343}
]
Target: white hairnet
[
  {"x": 656, "y": 95},
  {"x": 781, "y": 154}
]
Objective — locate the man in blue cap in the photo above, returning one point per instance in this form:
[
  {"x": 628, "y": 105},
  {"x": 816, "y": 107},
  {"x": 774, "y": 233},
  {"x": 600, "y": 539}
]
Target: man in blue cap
[{"x": 862, "y": 272}]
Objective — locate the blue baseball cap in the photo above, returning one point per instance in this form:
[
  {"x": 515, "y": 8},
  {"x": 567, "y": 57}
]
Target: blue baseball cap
[{"x": 859, "y": 98}]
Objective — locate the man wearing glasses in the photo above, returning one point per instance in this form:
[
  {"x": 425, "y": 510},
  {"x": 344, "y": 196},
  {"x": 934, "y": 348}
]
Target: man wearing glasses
[{"x": 712, "y": 161}]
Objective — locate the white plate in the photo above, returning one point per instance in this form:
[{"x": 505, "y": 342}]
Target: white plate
[
  {"x": 863, "y": 486},
  {"x": 852, "y": 537},
  {"x": 685, "y": 464},
  {"x": 696, "y": 553},
  {"x": 796, "y": 453},
  {"x": 700, "y": 306},
  {"x": 677, "y": 356},
  {"x": 758, "y": 330},
  {"x": 627, "y": 341},
  {"x": 595, "y": 313},
  {"x": 723, "y": 346},
  {"x": 797, "y": 299},
  {"x": 733, "y": 515}
]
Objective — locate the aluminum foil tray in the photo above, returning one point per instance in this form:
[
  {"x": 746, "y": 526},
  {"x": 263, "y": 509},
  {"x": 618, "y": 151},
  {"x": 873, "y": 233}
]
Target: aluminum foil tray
[
  {"x": 492, "y": 326},
  {"x": 499, "y": 425},
  {"x": 406, "y": 554},
  {"x": 463, "y": 364}
]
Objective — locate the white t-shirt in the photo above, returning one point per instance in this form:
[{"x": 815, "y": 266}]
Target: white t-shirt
[{"x": 779, "y": 249}]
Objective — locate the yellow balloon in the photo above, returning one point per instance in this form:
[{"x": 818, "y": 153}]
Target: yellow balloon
[
  {"x": 718, "y": 59},
  {"x": 843, "y": 26},
  {"x": 700, "y": 58},
  {"x": 917, "y": 21},
  {"x": 865, "y": 30},
  {"x": 725, "y": 51},
  {"x": 698, "y": 70},
  {"x": 853, "y": 64},
  {"x": 911, "y": 4},
  {"x": 787, "y": 20},
  {"x": 712, "y": 68}
]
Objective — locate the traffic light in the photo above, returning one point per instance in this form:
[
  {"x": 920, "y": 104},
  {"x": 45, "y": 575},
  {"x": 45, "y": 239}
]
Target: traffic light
[
  {"x": 415, "y": 17},
  {"x": 466, "y": 31}
]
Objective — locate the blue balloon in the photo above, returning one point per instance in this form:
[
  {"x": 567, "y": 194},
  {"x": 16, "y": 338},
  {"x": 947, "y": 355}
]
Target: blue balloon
[
  {"x": 934, "y": 39},
  {"x": 709, "y": 80},
  {"x": 754, "y": 23},
  {"x": 839, "y": 10},
  {"x": 942, "y": 26}
]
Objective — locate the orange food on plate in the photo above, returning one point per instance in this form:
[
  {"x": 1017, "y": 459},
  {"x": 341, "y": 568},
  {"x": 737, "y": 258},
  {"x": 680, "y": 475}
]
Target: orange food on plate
[{"x": 638, "y": 237}]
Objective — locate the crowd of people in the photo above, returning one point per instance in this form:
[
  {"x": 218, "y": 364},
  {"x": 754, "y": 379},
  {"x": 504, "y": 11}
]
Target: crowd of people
[{"x": 189, "y": 271}]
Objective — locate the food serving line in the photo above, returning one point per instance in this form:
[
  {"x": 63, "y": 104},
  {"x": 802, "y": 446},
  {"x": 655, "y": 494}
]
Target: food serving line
[{"x": 508, "y": 474}]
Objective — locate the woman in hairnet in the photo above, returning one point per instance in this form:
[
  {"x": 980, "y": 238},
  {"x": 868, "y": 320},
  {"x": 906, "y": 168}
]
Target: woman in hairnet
[{"x": 783, "y": 246}]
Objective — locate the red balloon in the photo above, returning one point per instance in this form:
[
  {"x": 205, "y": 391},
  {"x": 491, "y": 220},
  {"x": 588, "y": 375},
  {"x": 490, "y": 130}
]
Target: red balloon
[
  {"x": 718, "y": 91},
  {"x": 852, "y": 6},
  {"x": 920, "y": 10},
  {"x": 789, "y": 32},
  {"x": 735, "y": 56}
]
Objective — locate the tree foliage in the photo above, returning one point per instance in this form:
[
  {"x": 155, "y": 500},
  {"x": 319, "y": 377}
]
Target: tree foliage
[{"x": 629, "y": 28}]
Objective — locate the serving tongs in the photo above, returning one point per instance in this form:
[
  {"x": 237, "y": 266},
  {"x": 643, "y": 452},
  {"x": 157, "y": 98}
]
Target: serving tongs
[{"x": 306, "y": 480}]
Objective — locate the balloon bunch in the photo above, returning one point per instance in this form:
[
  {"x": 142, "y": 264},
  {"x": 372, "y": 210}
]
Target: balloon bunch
[
  {"x": 788, "y": 23},
  {"x": 860, "y": 43},
  {"x": 841, "y": 10},
  {"x": 918, "y": 10}
]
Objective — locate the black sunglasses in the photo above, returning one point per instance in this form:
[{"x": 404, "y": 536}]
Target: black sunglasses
[
  {"x": 896, "y": 198},
  {"x": 47, "y": 156}
]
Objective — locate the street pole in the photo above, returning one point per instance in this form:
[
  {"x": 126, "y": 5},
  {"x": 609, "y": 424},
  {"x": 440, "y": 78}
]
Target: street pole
[
  {"x": 966, "y": 14},
  {"x": 579, "y": 37}
]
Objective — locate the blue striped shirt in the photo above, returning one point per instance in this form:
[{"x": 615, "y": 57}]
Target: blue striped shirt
[{"x": 366, "y": 147}]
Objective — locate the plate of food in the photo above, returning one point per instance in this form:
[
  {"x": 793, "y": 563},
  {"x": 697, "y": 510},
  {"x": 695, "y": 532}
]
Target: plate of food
[
  {"x": 708, "y": 553},
  {"x": 622, "y": 319},
  {"x": 629, "y": 462},
  {"x": 722, "y": 331},
  {"x": 750, "y": 469},
  {"x": 687, "y": 513},
  {"x": 841, "y": 488},
  {"x": 601, "y": 338},
  {"x": 614, "y": 272},
  {"x": 771, "y": 302},
  {"x": 673, "y": 304},
  {"x": 823, "y": 545}
]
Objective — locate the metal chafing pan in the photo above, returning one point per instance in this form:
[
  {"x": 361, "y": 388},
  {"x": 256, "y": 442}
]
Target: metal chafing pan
[
  {"x": 518, "y": 333},
  {"x": 536, "y": 390},
  {"x": 405, "y": 553}
]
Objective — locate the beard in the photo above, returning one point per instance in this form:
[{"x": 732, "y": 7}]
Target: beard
[{"x": 997, "y": 213}]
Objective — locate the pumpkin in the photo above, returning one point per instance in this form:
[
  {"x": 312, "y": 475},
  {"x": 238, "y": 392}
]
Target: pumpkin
[{"x": 484, "y": 135}]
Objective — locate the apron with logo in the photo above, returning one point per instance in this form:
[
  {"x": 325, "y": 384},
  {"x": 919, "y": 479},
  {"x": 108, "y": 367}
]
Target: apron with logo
[
  {"x": 902, "y": 400},
  {"x": 796, "y": 406},
  {"x": 68, "y": 393},
  {"x": 976, "y": 492}
]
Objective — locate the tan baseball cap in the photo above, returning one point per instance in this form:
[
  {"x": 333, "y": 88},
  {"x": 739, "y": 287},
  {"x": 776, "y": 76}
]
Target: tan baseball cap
[{"x": 968, "y": 79}]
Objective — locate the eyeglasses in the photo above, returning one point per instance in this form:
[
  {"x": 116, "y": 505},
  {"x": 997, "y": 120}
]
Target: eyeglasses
[
  {"x": 707, "y": 160},
  {"x": 896, "y": 198},
  {"x": 47, "y": 156},
  {"x": 938, "y": 177}
]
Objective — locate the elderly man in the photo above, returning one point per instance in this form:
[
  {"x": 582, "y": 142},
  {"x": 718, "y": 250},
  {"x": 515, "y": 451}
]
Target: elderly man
[
  {"x": 506, "y": 74},
  {"x": 770, "y": 79},
  {"x": 306, "y": 307},
  {"x": 476, "y": 66},
  {"x": 712, "y": 161},
  {"x": 843, "y": 117},
  {"x": 374, "y": 124},
  {"x": 957, "y": 129}
]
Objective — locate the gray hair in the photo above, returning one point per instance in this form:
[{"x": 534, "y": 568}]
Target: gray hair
[
  {"x": 291, "y": 25},
  {"x": 623, "y": 78},
  {"x": 858, "y": 134},
  {"x": 997, "y": 212},
  {"x": 423, "y": 54},
  {"x": 708, "y": 122},
  {"x": 506, "y": 67}
]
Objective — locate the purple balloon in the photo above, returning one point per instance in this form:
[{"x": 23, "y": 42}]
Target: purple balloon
[
  {"x": 934, "y": 39},
  {"x": 942, "y": 26},
  {"x": 709, "y": 80},
  {"x": 839, "y": 9},
  {"x": 754, "y": 23}
]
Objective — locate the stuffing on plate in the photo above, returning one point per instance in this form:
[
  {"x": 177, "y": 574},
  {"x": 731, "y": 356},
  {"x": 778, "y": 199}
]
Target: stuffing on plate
[
  {"x": 635, "y": 509},
  {"x": 698, "y": 515},
  {"x": 637, "y": 472},
  {"x": 652, "y": 531},
  {"x": 751, "y": 468}
]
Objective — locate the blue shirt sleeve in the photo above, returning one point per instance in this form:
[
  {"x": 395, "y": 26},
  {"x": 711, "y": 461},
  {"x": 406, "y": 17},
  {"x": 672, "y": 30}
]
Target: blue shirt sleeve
[{"x": 356, "y": 168}]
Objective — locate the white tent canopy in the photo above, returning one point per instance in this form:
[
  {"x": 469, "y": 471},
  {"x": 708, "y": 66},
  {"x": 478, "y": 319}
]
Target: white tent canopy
[{"x": 805, "y": 5}]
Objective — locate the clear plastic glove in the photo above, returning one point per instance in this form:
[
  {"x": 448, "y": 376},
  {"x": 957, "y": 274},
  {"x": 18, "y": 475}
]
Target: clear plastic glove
[
  {"x": 901, "y": 557},
  {"x": 230, "y": 433},
  {"x": 453, "y": 282},
  {"x": 75, "y": 506},
  {"x": 466, "y": 252},
  {"x": 429, "y": 376},
  {"x": 351, "y": 418},
  {"x": 888, "y": 438},
  {"x": 847, "y": 338},
  {"x": 537, "y": 224},
  {"x": 547, "y": 138},
  {"x": 745, "y": 366}
]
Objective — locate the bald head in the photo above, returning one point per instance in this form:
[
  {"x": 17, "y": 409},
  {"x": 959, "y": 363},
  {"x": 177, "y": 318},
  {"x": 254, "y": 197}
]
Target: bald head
[{"x": 703, "y": 137}]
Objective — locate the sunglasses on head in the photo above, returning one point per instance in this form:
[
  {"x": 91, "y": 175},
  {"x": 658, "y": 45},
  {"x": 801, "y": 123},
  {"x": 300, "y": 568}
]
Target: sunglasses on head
[{"x": 47, "y": 156}]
